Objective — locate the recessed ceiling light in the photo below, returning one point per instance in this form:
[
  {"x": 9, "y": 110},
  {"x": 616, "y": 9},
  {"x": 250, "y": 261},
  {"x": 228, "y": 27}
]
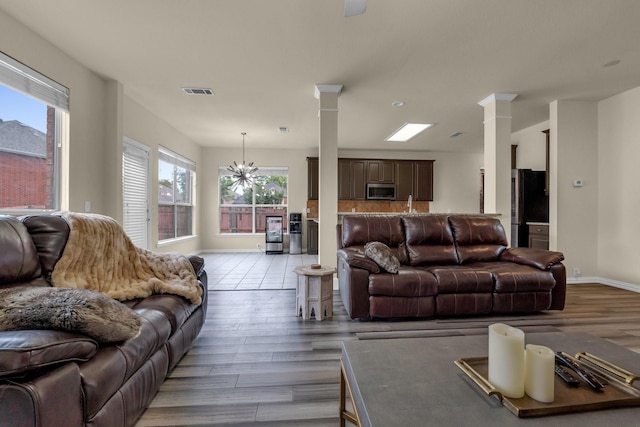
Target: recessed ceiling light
[
  {"x": 397, "y": 104},
  {"x": 283, "y": 129},
  {"x": 408, "y": 131}
]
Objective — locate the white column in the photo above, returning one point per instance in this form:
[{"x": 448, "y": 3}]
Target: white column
[
  {"x": 497, "y": 156},
  {"x": 328, "y": 172}
]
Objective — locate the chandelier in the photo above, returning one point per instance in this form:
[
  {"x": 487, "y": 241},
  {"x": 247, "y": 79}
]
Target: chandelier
[{"x": 242, "y": 174}]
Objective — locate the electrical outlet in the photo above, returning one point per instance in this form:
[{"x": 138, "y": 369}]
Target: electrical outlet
[{"x": 577, "y": 272}]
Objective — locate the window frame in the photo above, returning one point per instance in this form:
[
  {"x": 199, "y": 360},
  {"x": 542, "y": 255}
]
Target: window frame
[
  {"x": 177, "y": 161},
  {"x": 20, "y": 78},
  {"x": 262, "y": 171}
]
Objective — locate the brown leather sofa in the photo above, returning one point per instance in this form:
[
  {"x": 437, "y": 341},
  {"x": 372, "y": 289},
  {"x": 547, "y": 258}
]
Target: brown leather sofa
[
  {"x": 56, "y": 378},
  {"x": 449, "y": 266}
]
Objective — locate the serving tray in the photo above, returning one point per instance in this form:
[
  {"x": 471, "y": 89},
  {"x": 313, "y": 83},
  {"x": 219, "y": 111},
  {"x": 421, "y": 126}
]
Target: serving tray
[{"x": 619, "y": 391}]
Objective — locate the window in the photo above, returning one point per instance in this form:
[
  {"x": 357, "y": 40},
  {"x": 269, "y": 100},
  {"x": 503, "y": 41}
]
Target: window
[
  {"x": 244, "y": 210},
  {"x": 176, "y": 177},
  {"x": 32, "y": 110}
]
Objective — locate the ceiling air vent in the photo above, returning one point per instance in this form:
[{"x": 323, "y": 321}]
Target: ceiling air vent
[{"x": 198, "y": 91}]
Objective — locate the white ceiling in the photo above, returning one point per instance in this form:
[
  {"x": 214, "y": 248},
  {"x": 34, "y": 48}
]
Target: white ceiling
[{"x": 263, "y": 59}]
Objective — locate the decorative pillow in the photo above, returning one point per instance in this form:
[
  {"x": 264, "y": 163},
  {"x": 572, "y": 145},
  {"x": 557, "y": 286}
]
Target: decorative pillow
[
  {"x": 383, "y": 256},
  {"x": 75, "y": 310}
]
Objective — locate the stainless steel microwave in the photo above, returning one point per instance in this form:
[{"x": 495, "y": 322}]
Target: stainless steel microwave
[{"x": 381, "y": 192}]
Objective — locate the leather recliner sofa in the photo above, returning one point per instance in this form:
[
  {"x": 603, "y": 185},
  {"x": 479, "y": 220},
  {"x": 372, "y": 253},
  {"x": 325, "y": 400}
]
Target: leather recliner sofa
[
  {"x": 450, "y": 265},
  {"x": 61, "y": 378}
]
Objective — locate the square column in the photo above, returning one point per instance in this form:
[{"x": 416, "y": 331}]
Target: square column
[
  {"x": 497, "y": 156},
  {"x": 328, "y": 172}
]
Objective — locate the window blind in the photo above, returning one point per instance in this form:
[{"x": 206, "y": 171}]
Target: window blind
[
  {"x": 28, "y": 81},
  {"x": 176, "y": 159},
  {"x": 135, "y": 188}
]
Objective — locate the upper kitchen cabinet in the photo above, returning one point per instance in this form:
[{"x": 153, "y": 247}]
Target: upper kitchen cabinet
[
  {"x": 352, "y": 183},
  {"x": 415, "y": 179},
  {"x": 423, "y": 180},
  {"x": 381, "y": 171},
  {"x": 313, "y": 173}
]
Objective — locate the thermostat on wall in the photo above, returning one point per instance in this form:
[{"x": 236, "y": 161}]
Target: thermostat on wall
[{"x": 577, "y": 183}]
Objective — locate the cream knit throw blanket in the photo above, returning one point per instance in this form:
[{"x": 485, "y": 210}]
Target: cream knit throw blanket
[{"x": 101, "y": 257}]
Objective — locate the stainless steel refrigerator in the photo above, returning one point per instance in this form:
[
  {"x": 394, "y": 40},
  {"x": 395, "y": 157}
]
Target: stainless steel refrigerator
[{"x": 529, "y": 203}]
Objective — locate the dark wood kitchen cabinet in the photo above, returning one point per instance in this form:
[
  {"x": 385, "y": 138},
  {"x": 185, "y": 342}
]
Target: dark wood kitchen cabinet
[
  {"x": 539, "y": 236},
  {"x": 352, "y": 182},
  {"x": 313, "y": 174},
  {"x": 415, "y": 178},
  {"x": 312, "y": 237},
  {"x": 381, "y": 171},
  {"x": 423, "y": 180},
  {"x": 404, "y": 179}
]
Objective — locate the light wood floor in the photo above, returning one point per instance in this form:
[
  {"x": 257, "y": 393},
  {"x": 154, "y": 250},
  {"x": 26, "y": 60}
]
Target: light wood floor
[{"x": 256, "y": 364}]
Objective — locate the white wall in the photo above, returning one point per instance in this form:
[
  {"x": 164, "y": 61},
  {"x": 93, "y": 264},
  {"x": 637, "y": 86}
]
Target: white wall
[
  {"x": 213, "y": 158},
  {"x": 98, "y": 114},
  {"x": 531, "y": 151},
  {"x": 87, "y": 170},
  {"x": 146, "y": 128},
  {"x": 573, "y": 211},
  {"x": 618, "y": 189}
]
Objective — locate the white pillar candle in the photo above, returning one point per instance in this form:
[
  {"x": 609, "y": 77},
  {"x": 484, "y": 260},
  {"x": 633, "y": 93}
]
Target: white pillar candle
[
  {"x": 539, "y": 372},
  {"x": 506, "y": 360}
]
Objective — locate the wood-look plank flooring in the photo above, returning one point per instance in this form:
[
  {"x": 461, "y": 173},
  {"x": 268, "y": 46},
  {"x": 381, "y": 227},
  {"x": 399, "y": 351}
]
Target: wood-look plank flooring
[{"x": 256, "y": 364}]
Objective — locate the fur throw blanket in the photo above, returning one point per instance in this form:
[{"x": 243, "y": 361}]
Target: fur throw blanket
[
  {"x": 75, "y": 310},
  {"x": 100, "y": 256}
]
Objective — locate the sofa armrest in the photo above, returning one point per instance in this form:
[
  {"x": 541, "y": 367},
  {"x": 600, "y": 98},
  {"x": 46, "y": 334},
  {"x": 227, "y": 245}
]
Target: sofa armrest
[
  {"x": 197, "y": 263},
  {"x": 539, "y": 258},
  {"x": 357, "y": 258},
  {"x": 31, "y": 350}
]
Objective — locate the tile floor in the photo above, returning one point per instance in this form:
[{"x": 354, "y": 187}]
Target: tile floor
[{"x": 253, "y": 270}]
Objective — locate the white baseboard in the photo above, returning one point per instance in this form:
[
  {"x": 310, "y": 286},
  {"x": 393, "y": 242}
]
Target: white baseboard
[{"x": 633, "y": 287}]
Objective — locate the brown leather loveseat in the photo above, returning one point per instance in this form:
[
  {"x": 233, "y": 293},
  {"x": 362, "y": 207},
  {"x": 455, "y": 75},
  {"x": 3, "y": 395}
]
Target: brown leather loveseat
[
  {"x": 62, "y": 378},
  {"x": 450, "y": 265}
]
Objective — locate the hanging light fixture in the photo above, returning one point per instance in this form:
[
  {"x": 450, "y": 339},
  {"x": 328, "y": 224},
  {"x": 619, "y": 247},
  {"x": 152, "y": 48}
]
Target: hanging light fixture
[{"x": 243, "y": 174}]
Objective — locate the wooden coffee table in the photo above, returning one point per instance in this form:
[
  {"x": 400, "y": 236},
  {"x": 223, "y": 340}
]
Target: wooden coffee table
[{"x": 414, "y": 382}]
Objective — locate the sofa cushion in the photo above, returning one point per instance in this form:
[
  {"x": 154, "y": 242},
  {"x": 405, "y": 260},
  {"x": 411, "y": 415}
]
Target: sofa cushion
[
  {"x": 19, "y": 260},
  {"x": 50, "y": 234},
  {"x": 24, "y": 351},
  {"x": 521, "y": 302},
  {"x": 510, "y": 277},
  {"x": 409, "y": 282},
  {"x": 478, "y": 238},
  {"x": 397, "y": 307},
  {"x": 112, "y": 366},
  {"x": 462, "y": 280},
  {"x": 383, "y": 256},
  {"x": 358, "y": 230},
  {"x": 175, "y": 308},
  {"x": 429, "y": 240},
  {"x": 464, "y": 304},
  {"x": 75, "y": 310}
]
